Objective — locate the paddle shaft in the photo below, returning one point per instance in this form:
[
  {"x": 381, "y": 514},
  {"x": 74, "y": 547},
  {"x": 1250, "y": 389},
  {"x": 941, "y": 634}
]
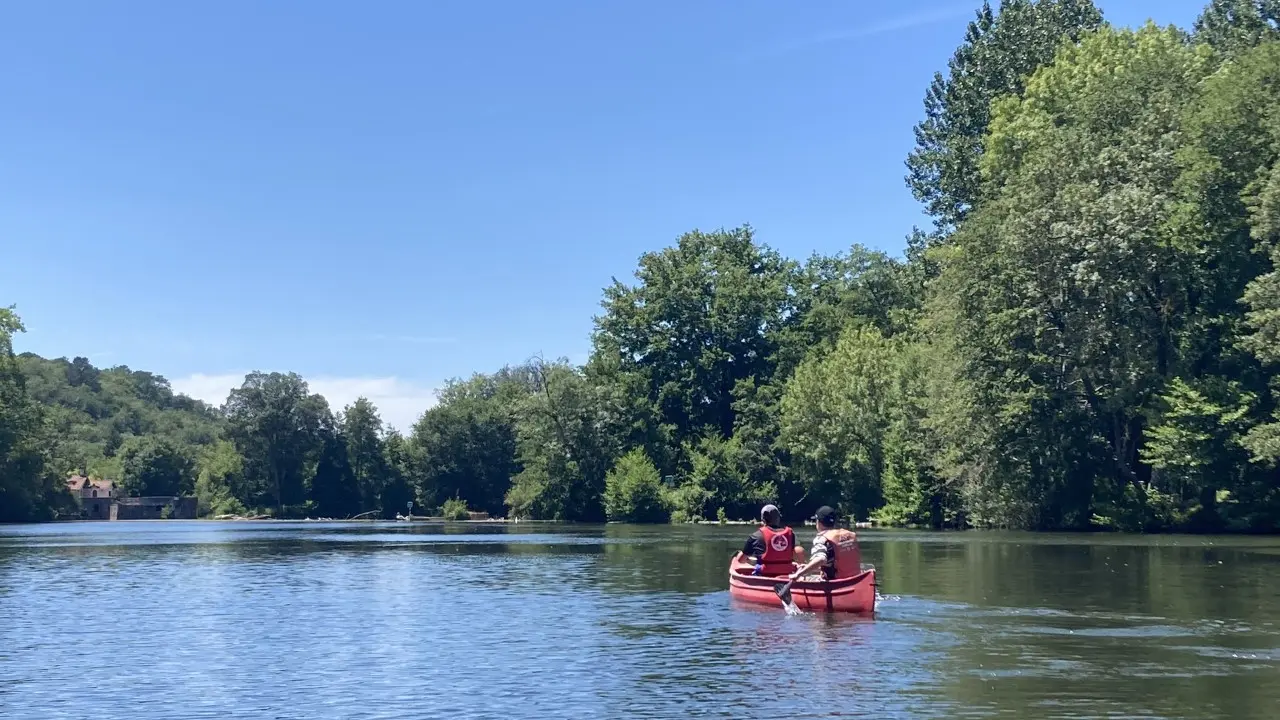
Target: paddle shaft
[{"x": 784, "y": 592}]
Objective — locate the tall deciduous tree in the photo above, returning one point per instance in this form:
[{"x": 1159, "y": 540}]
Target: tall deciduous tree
[
  {"x": 465, "y": 446},
  {"x": 28, "y": 491},
  {"x": 999, "y": 52},
  {"x": 835, "y": 413},
  {"x": 1231, "y": 221},
  {"x": 362, "y": 430},
  {"x": 220, "y": 481},
  {"x": 1263, "y": 299},
  {"x": 565, "y": 447},
  {"x": 155, "y": 467},
  {"x": 1234, "y": 26},
  {"x": 1069, "y": 297},
  {"x": 398, "y": 490},
  {"x": 333, "y": 488},
  {"x": 275, "y": 421},
  {"x": 703, "y": 316}
]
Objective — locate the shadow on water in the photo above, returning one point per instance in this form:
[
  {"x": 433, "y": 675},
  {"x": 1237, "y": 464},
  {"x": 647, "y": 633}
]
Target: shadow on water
[{"x": 320, "y": 620}]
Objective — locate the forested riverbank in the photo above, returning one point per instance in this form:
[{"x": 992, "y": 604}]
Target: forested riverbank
[{"x": 1088, "y": 337}]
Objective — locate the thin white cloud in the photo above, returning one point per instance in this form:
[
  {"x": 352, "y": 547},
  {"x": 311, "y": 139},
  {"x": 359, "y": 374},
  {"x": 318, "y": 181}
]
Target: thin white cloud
[
  {"x": 882, "y": 27},
  {"x": 400, "y": 402}
]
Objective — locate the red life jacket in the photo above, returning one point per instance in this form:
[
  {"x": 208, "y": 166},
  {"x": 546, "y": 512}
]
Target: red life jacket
[{"x": 779, "y": 550}]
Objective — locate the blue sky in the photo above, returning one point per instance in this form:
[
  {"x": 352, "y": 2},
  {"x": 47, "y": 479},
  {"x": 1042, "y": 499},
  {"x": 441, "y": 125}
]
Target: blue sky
[{"x": 383, "y": 195}]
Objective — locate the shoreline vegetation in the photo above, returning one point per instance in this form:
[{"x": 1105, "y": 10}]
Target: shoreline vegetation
[
  {"x": 1088, "y": 338},
  {"x": 440, "y": 520}
]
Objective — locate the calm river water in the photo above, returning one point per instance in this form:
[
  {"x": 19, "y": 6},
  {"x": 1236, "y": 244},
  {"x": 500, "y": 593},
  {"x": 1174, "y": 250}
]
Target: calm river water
[{"x": 315, "y": 621}]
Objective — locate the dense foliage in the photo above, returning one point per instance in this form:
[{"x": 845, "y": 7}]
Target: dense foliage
[{"x": 1089, "y": 337}]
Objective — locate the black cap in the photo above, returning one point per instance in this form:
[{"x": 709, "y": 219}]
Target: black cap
[{"x": 826, "y": 515}]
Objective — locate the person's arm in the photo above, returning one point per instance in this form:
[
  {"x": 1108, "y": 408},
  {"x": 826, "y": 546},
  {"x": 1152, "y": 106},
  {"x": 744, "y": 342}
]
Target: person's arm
[
  {"x": 753, "y": 548},
  {"x": 816, "y": 559}
]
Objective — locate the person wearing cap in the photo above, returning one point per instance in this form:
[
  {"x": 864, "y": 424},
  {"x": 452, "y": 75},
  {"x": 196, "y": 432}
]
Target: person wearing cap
[
  {"x": 772, "y": 548},
  {"x": 835, "y": 550}
]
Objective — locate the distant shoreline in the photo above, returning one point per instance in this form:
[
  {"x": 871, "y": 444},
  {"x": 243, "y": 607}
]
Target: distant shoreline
[{"x": 421, "y": 520}]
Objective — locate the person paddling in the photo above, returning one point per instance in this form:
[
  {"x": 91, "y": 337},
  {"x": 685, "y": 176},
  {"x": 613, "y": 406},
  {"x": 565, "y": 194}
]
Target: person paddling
[
  {"x": 772, "y": 548},
  {"x": 835, "y": 550}
]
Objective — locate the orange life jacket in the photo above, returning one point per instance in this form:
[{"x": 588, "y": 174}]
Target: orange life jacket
[
  {"x": 779, "y": 549},
  {"x": 847, "y": 559}
]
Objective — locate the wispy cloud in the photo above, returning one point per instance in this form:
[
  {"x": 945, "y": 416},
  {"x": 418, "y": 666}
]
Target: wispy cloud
[
  {"x": 880, "y": 27},
  {"x": 400, "y": 402}
]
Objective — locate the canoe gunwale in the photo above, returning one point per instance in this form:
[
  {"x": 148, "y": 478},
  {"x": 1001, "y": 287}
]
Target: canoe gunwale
[{"x": 741, "y": 571}]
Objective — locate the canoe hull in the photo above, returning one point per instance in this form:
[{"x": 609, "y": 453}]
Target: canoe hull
[{"x": 855, "y": 594}]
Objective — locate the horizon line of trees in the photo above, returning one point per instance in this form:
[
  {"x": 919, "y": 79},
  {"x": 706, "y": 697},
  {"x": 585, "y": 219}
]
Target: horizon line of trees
[{"x": 1087, "y": 338}]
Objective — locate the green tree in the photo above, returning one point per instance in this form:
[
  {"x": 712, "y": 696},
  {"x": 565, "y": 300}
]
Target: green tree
[
  {"x": 633, "y": 490},
  {"x": 1235, "y": 26},
  {"x": 1263, "y": 299},
  {"x": 565, "y": 447},
  {"x": 703, "y": 316},
  {"x": 465, "y": 446},
  {"x": 362, "y": 429},
  {"x": 220, "y": 482},
  {"x": 81, "y": 372},
  {"x": 761, "y": 458},
  {"x": 275, "y": 423},
  {"x": 89, "y": 413},
  {"x": 1193, "y": 449},
  {"x": 1231, "y": 219},
  {"x": 721, "y": 475},
  {"x": 915, "y": 491},
  {"x": 999, "y": 52},
  {"x": 28, "y": 490},
  {"x": 863, "y": 286},
  {"x": 835, "y": 412},
  {"x": 1067, "y": 295},
  {"x": 1262, "y": 294},
  {"x": 455, "y": 509},
  {"x": 335, "y": 492},
  {"x": 397, "y": 490},
  {"x": 155, "y": 467}
]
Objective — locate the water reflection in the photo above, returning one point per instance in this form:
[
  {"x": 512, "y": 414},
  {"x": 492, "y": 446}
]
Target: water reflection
[{"x": 321, "y": 620}]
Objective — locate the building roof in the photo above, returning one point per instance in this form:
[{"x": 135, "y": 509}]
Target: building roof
[{"x": 84, "y": 486}]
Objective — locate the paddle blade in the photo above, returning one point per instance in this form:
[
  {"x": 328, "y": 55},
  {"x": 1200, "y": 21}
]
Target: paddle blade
[{"x": 783, "y": 591}]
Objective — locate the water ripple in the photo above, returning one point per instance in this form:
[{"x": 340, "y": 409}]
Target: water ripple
[{"x": 317, "y": 621}]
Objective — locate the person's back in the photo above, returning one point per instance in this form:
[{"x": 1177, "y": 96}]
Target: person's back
[
  {"x": 772, "y": 547},
  {"x": 846, "y": 558},
  {"x": 835, "y": 550}
]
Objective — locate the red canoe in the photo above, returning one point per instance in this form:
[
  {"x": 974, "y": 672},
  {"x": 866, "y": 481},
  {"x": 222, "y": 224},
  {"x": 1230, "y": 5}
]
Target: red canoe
[{"x": 855, "y": 594}]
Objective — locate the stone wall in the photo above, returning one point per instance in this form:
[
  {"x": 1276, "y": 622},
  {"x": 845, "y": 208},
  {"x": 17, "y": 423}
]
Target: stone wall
[
  {"x": 153, "y": 508},
  {"x": 96, "y": 508}
]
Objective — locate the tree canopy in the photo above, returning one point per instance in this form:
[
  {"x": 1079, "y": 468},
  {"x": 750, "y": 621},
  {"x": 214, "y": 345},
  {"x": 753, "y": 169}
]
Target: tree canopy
[{"x": 1089, "y": 337}]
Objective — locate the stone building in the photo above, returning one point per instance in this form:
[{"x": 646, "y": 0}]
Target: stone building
[
  {"x": 99, "y": 500},
  {"x": 95, "y": 496},
  {"x": 154, "y": 508}
]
